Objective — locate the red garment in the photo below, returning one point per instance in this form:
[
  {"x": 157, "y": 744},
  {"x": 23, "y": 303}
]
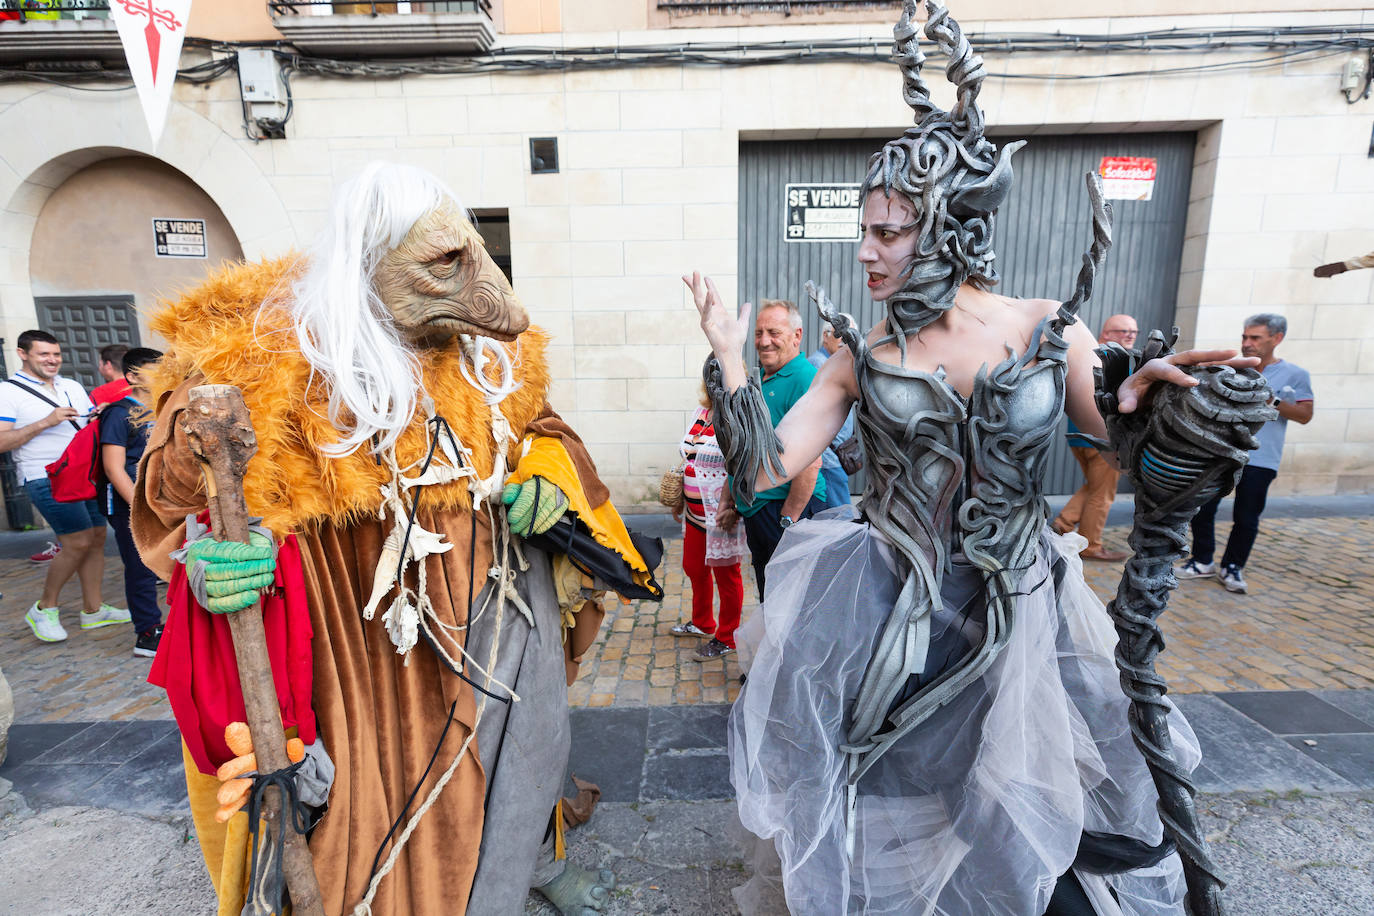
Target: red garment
[
  {"x": 728, "y": 582},
  {"x": 195, "y": 661},
  {"x": 111, "y": 391}
]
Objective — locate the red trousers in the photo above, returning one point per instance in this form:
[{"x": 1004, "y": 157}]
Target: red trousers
[{"x": 728, "y": 581}]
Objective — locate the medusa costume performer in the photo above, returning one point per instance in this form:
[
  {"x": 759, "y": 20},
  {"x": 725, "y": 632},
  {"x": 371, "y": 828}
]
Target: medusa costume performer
[
  {"x": 932, "y": 721},
  {"x": 397, "y": 392}
]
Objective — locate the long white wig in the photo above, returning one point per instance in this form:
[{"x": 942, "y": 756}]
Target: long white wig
[{"x": 345, "y": 331}]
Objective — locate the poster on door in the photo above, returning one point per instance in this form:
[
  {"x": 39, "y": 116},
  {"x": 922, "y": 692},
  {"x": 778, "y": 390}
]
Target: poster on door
[
  {"x": 1128, "y": 177},
  {"x": 822, "y": 213}
]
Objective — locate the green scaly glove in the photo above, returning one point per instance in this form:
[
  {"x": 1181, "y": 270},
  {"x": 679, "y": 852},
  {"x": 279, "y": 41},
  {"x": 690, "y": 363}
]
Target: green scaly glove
[
  {"x": 234, "y": 574},
  {"x": 534, "y": 506}
]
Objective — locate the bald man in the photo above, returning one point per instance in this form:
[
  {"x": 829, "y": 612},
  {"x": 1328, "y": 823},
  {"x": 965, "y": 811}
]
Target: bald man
[{"x": 1087, "y": 509}]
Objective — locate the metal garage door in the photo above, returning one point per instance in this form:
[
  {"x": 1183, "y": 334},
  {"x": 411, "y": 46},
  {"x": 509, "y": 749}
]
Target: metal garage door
[{"x": 1042, "y": 232}]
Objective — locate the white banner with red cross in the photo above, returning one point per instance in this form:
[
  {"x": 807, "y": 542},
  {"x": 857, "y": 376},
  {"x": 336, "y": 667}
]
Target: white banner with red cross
[{"x": 151, "y": 32}]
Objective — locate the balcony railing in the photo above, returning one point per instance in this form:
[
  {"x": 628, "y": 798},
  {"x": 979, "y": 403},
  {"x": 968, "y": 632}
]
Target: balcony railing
[
  {"x": 33, "y": 31},
  {"x": 331, "y": 7},
  {"x": 786, "y": 7},
  {"x": 46, "y": 10}
]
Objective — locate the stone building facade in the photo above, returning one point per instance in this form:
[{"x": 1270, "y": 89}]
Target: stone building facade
[{"x": 647, "y": 185}]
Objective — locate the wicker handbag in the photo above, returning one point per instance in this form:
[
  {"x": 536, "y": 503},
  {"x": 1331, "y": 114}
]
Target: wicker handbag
[{"x": 670, "y": 487}]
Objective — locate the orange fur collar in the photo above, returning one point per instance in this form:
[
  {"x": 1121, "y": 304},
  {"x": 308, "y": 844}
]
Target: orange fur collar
[{"x": 217, "y": 331}]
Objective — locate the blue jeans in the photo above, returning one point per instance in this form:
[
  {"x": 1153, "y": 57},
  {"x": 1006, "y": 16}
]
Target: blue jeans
[
  {"x": 836, "y": 486},
  {"x": 1251, "y": 493},
  {"x": 140, "y": 583},
  {"x": 65, "y": 518}
]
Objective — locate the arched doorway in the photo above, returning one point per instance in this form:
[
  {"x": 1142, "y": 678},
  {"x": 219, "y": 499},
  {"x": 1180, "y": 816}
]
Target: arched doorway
[{"x": 108, "y": 243}]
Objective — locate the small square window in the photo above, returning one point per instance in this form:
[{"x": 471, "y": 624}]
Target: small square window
[{"x": 543, "y": 155}]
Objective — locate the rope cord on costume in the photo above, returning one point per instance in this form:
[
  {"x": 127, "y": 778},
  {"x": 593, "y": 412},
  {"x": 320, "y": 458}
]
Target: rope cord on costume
[
  {"x": 364, "y": 907},
  {"x": 410, "y": 799},
  {"x": 441, "y": 427},
  {"x": 267, "y": 882},
  {"x": 419, "y": 613},
  {"x": 440, "y": 424}
]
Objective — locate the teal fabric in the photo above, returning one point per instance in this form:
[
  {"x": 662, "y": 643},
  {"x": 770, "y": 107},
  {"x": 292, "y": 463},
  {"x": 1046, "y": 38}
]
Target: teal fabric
[
  {"x": 780, "y": 391},
  {"x": 1075, "y": 437}
]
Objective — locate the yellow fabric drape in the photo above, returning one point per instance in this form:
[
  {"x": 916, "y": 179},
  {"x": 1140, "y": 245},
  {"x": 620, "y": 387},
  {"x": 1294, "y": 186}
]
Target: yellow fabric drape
[
  {"x": 543, "y": 456},
  {"x": 227, "y": 847}
]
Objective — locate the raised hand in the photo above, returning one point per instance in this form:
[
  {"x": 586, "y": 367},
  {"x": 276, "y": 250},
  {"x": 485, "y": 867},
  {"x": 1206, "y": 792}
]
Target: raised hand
[
  {"x": 1166, "y": 369},
  {"x": 727, "y": 333}
]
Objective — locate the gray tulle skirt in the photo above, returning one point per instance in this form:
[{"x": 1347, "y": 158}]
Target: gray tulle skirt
[{"x": 980, "y": 809}]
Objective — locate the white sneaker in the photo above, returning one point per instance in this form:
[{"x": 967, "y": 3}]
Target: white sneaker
[
  {"x": 1231, "y": 579},
  {"x": 1195, "y": 570},
  {"x": 104, "y": 616},
  {"x": 43, "y": 622}
]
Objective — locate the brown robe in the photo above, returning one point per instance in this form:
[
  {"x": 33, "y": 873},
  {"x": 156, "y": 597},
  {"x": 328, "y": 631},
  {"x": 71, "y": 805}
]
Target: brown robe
[{"x": 379, "y": 717}]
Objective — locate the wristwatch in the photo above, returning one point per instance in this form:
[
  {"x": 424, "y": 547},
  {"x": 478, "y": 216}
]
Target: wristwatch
[{"x": 786, "y": 521}]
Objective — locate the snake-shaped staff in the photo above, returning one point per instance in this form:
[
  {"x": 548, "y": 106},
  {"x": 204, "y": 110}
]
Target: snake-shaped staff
[{"x": 1191, "y": 446}]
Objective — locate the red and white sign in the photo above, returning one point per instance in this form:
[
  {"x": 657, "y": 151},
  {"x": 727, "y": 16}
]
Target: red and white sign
[
  {"x": 151, "y": 32},
  {"x": 1125, "y": 177}
]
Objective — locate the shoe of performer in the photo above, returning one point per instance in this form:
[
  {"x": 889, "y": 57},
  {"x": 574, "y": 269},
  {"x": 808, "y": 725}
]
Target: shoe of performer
[
  {"x": 690, "y": 629},
  {"x": 104, "y": 616},
  {"x": 146, "y": 645},
  {"x": 1231, "y": 579},
  {"x": 1195, "y": 570},
  {"x": 1060, "y": 526},
  {"x": 713, "y": 649},
  {"x": 43, "y": 622},
  {"x": 47, "y": 553},
  {"x": 1102, "y": 553}
]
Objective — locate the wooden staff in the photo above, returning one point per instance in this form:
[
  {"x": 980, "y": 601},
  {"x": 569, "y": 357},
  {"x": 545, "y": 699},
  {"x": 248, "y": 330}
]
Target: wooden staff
[{"x": 220, "y": 435}]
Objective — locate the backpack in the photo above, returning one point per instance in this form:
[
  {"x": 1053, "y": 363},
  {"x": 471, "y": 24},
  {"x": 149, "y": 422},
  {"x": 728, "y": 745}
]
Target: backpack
[{"x": 78, "y": 472}]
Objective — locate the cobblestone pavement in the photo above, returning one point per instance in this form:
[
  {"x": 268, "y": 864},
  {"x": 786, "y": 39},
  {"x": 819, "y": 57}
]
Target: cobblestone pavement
[
  {"x": 1282, "y": 854},
  {"x": 93, "y": 676},
  {"x": 1307, "y": 623}
]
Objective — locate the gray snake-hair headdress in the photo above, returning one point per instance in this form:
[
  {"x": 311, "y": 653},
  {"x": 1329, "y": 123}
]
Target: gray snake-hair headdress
[{"x": 955, "y": 177}]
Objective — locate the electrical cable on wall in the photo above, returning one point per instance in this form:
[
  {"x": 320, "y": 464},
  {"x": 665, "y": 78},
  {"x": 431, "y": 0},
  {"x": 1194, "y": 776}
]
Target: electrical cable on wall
[{"x": 1285, "y": 44}]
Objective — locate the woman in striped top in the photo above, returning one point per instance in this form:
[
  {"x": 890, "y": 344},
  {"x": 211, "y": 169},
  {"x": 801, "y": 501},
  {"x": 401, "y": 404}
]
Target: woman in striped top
[{"x": 708, "y": 549}]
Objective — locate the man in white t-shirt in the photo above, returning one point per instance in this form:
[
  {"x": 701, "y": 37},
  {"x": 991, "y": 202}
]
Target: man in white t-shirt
[
  {"x": 1293, "y": 399},
  {"x": 40, "y": 412}
]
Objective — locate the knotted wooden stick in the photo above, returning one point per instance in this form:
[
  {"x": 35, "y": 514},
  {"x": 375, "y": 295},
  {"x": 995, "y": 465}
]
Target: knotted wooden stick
[{"x": 220, "y": 435}]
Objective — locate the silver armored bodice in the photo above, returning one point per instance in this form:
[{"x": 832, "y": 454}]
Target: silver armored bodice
[
  {"x": 961, "y": 474},
  {"x": 947, "y": 475}
]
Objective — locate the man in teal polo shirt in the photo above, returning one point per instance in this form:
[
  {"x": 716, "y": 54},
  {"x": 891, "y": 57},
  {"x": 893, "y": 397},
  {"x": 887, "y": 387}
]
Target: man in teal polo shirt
[{"x": 786, "y": 376}]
